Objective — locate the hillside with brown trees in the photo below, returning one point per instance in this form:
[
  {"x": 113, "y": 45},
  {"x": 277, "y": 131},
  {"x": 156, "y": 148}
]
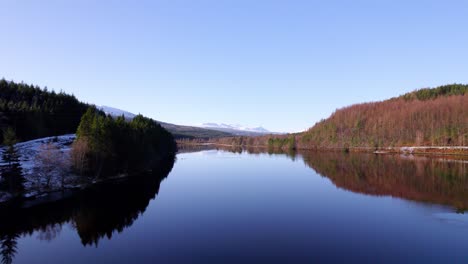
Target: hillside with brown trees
[{"x": 426, "y": 117}]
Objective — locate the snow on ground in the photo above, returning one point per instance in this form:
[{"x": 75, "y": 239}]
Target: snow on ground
[{"x": 27, "y": 151}]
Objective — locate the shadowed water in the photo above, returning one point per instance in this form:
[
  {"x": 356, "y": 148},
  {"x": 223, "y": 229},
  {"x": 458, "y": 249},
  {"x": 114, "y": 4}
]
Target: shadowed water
[{"x": 250, "y": 206}]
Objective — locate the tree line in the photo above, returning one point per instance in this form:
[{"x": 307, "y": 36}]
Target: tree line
[
  {"x": 34, "y": 112},
  {"x": 107, "y": 145},
  {"x": 432, "y": 93}
]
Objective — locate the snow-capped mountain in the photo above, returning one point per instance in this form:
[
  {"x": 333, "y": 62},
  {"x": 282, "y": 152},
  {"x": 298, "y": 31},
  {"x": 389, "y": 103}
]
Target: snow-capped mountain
[
  {"x": 179, "y": 131},
  {"x": 205, "y": 130},
  {"x": 236, "y": 129},
  {"x": 116, "y": 112}
]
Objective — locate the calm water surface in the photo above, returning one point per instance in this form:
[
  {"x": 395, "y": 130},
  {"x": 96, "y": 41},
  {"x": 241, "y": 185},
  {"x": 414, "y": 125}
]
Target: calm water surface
[{"x": 218, "y": 206}]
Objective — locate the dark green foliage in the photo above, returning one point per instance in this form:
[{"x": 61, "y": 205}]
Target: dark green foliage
[
  {"x": 445, "y": 90},
  {"x": 34, "y": 112},
  {"x": 118, "y": 146},
  {"x": 282, "y": 142},
  {"x": 11, "y": 173}
]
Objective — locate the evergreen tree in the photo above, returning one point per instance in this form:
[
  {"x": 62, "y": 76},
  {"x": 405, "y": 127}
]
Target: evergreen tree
[
  {"x": 12, "y": 175},
  {"x": 117, "y": 146},
  {"x": 35, "y": 112}
]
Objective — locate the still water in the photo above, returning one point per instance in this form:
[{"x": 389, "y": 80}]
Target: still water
[{"x": 218, "y": 206}]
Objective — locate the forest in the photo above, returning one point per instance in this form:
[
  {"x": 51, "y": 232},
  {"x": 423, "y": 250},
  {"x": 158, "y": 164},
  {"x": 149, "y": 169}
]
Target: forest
[
  {"x": 108, "y": 146},
  {"x": 34, "y": 112},
  {"x": 104, "y": 146},
  {"x": 426, "y": 117}
]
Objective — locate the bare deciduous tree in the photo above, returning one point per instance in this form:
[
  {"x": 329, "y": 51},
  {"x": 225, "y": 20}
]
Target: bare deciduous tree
[
  {"x": 51, "y": 162},
  {"x": 80, "y": 148}
]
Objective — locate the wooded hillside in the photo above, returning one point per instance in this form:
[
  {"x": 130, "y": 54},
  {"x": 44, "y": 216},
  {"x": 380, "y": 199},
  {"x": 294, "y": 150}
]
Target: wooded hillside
[
  {"x": 109, "y": 146},
  {"x": 430, "y": 117},
  {"x": 34, "y": 112}
]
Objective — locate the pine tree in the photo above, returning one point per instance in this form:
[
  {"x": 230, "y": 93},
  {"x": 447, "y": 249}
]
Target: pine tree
[{"x": 12, "y": 174}]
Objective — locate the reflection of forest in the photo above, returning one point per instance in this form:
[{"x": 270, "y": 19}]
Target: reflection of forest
[
  {"x": 99, "y": 212},
  {"x": 95, "y": 213},
  {"x": 425, "y": 179},
  {"x": 186, "y": 148}
]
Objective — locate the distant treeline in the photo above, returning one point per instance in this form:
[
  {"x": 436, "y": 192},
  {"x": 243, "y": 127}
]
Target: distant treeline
[
  {"x": 34, "y": 112},
  {"x": 432, "y": 93},
  {"x": 106, "y": 146},
  {"x": 272, "y": 142}
]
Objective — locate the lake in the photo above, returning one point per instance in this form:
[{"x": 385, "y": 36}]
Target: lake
[{"x": 246, "y": 206}]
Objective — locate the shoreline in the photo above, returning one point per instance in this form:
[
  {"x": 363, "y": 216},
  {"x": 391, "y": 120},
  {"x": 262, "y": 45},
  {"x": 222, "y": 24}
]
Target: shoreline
[
  {"x": 55, "y": 194},
  {"x": 406, "y": 150}
]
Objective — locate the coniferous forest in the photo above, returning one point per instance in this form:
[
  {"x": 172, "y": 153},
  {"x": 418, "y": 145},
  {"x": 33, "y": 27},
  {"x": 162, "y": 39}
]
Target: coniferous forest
[
  {"x": 105, "y": 145},
  {"x": 34, "y": 112}
]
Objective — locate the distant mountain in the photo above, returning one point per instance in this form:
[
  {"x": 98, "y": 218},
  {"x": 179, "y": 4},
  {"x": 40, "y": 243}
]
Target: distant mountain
[
  {"x": 191, "y": 132},
  {"x": 178, "y": 131},
  {"x": 116, "y": 112},
  {"x": 237, "y": 130}
]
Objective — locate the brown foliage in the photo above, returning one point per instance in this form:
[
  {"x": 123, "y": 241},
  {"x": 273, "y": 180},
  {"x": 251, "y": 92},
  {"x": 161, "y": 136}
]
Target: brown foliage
[
  {"x": 51, "y": 162},
  {"x": 396, "y": 122},
  {"x": 80, "y": 150}
]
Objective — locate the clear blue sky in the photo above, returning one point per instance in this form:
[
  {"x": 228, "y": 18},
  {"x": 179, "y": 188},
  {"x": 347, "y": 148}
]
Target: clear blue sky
[{"x": 280, "y": 64}]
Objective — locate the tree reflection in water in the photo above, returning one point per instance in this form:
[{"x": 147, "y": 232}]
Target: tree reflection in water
[
  {"x": 8, "y": 246},
  {"x": 95, "y": 213},
  {"x": 101, "y": 211},
  {"x": 431, "y": 179},
  {"x": 425, "y": 179}
]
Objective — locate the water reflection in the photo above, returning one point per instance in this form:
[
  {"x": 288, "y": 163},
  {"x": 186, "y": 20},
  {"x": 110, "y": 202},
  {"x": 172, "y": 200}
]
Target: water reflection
[
  {"x": 292, "y": 154},
  {"x": 215, "y": 192},
  {"x": 424, "y": 179},
  {"x": 438, "y": 180},
  {"x": 95, "y": 213}
]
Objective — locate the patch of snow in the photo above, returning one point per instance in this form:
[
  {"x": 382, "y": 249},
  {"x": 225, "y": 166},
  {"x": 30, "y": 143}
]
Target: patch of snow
[{"x": 27, "y": 152}]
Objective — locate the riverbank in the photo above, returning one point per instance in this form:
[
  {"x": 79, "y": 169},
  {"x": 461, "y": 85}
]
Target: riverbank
[
  {"x": 40, "y": 187},
  {"x": 408, "y": 150},
  {"x": 35, "y": 182}
]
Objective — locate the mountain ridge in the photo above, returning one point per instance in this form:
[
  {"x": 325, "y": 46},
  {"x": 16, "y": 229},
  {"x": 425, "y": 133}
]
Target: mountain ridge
[
  {"x": 237, "y": 129},
  {"x": 178, "y": 131}
]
